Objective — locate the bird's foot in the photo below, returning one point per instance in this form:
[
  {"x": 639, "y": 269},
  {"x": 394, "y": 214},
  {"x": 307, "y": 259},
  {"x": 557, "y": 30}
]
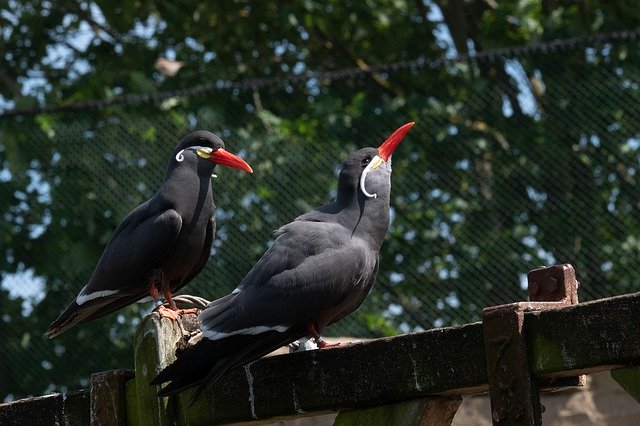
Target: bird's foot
[
  {"x": 324, "y": 344},
  {"x": 190, "y": 311},
  {"x": 165, "y": 312},
  {"x": 318, "y": 338}
]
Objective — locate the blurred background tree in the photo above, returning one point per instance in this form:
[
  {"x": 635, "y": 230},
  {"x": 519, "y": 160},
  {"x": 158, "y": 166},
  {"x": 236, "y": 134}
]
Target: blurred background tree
[{"x": 520, "y": 157}]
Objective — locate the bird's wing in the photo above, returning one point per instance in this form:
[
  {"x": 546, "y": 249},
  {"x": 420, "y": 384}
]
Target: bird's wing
[
  {"x": 308, "y": 270},
  {"x": 138, "y": 246}
]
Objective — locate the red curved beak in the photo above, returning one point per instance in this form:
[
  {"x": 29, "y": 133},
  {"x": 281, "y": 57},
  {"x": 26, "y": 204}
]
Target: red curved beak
[
  {"x": 225, "y": 158},
  {"x": 386, "y": 149}
]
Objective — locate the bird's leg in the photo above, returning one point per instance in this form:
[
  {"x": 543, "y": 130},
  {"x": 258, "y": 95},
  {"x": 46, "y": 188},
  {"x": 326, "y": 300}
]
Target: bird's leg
[
  {"x": 318, "y": 338},
  {"x": 162, "y": 311},
  {"x": 168, "y": 297},
  {"x": 155, "y": 295},
  {"x": 172, "y": 305},
  {"x": 166, "y": 292}
]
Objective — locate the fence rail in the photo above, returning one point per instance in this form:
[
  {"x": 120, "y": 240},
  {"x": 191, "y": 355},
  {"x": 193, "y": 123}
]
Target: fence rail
[{"x": 394, "y": 374}]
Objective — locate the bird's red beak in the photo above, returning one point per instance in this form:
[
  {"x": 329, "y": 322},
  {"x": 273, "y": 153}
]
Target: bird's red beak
[
  {"x": 386, "y": 149},
  {"x": 225, "y": 158}
]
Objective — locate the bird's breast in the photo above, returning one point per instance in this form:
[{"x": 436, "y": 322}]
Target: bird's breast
[{"x": 196, "y": 208}]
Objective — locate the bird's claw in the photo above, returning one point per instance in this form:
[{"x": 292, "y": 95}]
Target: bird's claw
[
  {"x": 165, "y": 312},
  {"x": 190, "y": 311},
  {"x": 318, "y": 338},
  {"x": 324, "y": 344}
]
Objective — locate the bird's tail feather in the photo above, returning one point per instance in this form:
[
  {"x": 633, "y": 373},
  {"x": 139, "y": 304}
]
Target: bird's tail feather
[
  {"x": 77, "y": 314},
  {"x": 206, "y": 362},
  {"x": 217, "y": 309},
  {"x": 260, "y": 348}
]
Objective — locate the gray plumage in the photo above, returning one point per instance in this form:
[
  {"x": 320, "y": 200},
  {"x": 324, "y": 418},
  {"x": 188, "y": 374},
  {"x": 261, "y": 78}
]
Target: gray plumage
[
  {"x": 164, "y": 242},
  {"x": 319, "y": 269}
]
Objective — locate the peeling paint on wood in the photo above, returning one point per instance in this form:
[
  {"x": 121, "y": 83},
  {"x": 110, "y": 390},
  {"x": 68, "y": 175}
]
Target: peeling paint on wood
[{"x": 252, "y": 399}]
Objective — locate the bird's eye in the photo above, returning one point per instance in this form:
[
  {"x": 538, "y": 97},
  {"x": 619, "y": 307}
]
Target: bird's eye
[
  {"x": 204, "y": 152},
  {"x": 366, "y": 161}
]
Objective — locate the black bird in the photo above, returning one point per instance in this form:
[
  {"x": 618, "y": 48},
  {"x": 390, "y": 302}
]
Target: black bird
[
  {"x": 319, "y": 269},
  {"x": 163, "y": 243}
]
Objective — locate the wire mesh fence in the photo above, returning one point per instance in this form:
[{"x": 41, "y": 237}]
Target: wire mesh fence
[{"x": 517, "y": 159}]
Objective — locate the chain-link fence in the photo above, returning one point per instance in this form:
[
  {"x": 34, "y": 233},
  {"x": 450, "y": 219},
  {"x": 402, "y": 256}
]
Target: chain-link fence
[{"x": 517, "y": 159}]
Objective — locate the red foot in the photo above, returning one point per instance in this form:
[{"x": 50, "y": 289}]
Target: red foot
[
  {"x": 167, "y": 313},
  {"x": 318, "y": 338},
  {"x": 324, "y": 344},
  {"x": 190, "y": 311}
]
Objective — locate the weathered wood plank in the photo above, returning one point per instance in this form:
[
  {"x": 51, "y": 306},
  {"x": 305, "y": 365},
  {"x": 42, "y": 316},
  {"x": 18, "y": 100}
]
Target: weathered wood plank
[
  {"x": 155, "y": 345},
  {"x": 431, "y": 411},
  {"x": 131, "y": 403},
  {"x": 514, "y": 390},
  {"x": 364, "y": 374},
  {"x": 583, "y": 338},
  {"x": 108, "y": 397},
  {"x": 59, "y": 409},
  {"x": 76, "y": 409}
]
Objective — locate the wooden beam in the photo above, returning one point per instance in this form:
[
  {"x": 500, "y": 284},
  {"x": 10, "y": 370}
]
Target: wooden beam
[
  {"x": 370, "y": 373},
  {"x": 59, "y": 409},
  {"x": 514, "y": 390},
  {"x": 431, "y": 411},
  {"x": 155, "y": 343},
  {"x": 108, "y": 397},
  {"x": 584, "y": 338}
]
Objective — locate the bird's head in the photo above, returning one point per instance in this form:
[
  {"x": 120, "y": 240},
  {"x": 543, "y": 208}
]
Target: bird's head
[
  {"x": 368, "y": 170},
  {"x": 206, "y": 150}
]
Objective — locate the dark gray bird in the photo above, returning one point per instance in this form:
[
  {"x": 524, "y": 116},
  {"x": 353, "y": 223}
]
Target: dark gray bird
[
  {"x": 163, "y": 243},
  {"x": 319, "y": 269}
]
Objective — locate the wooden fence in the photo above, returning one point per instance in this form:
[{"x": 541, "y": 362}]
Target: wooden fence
[{"x": 419, "y": 378}]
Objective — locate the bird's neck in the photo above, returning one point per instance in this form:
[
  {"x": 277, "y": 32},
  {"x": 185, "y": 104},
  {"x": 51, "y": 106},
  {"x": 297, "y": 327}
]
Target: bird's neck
[
  {"x": 366, "y": 218},
  {"x": 187, "y": 190},
  {"x": 372, "y": 219}
]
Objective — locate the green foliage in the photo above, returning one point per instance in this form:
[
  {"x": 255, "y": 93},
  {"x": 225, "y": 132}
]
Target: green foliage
[{"x": 514, "y": 161}]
